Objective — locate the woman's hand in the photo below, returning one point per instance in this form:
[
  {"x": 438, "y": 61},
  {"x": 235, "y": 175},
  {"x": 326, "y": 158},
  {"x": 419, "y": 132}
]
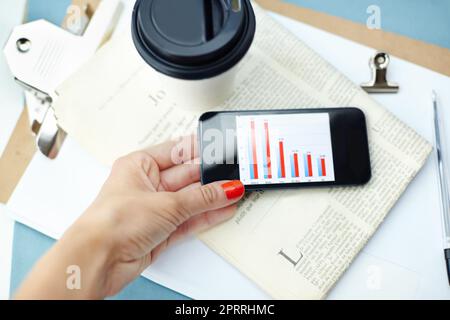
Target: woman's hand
[{"x": 151, "y": 199}]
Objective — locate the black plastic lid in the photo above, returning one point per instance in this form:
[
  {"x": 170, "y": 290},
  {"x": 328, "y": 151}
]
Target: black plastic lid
[{"x": 193, "y": 39}]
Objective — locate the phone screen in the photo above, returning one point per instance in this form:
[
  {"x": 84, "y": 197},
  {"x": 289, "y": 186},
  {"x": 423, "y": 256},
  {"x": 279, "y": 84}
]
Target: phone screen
[
  {"x": 284, "y": 148},
  {"x": 270, "y": 149}
]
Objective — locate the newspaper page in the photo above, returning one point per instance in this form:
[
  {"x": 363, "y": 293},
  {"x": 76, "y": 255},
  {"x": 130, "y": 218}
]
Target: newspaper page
[{"x": 294, "y": 244}]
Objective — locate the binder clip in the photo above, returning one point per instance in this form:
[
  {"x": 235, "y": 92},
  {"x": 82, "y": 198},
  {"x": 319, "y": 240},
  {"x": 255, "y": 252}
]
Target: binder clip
[
  {"x": 379, "y": 83},
  {"x": 41, "y": 56}
]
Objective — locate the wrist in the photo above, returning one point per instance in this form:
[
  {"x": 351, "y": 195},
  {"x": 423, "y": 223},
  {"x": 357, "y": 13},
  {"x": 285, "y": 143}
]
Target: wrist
[
  {"x": 75, "y": 268},
  {"x": 87, "y": 247}
]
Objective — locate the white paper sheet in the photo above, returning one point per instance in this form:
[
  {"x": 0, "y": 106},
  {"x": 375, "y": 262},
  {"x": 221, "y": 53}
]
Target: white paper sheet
[{"x": 405, "y": 254}]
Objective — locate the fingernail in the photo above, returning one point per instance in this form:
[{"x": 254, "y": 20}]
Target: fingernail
[{"x": 233, "y": 189}]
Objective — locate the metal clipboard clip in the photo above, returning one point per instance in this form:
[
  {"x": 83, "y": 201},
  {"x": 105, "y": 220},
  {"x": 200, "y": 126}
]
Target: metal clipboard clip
[
  {"x": 41, "y": 56},
  {"x": 379, "y": 83}
]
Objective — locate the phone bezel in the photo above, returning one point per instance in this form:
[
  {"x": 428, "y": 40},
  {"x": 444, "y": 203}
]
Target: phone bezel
[{"x": 349, "y": 141}]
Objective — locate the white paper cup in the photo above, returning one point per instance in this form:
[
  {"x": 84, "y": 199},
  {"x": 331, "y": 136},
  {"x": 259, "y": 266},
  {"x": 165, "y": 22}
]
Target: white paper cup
[
  {"x": 195, "y": 46},
  {"x": 200, "y": 94}
]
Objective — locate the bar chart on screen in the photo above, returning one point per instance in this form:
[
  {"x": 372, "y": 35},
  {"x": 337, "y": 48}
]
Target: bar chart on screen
[{"x": 284, "y": 148}]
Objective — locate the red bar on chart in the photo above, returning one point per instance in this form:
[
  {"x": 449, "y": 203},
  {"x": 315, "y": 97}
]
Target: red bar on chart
[
  {"x": 255, "y": 159},
  {"x": 269, "y": 162},
  {"x": 309, "y": 159},
  {"x": 282, "y": 165},
  {"x": 297, "y": 171},
  {"x": 324, "y": 167}
]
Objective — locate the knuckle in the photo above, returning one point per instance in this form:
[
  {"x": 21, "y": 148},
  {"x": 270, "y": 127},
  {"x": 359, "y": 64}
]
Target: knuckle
[
  {"x": 123, "y": 162},
  {"x": 175, "y": 209},
  {"x": 138, "y": 159},
  {"x": 173, "y": 202},
  {"x": 209, "y": 194},
  {"x": 119, "y": 162},
  {"x": 194, "y": 172}
]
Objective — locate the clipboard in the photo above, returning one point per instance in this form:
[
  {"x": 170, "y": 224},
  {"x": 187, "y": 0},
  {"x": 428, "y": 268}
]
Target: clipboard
[
  {"x": 22, "y": 144},
  {"x": 427, "y": 55}
]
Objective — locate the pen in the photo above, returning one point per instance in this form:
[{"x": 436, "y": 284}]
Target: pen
[{"x": 443, "y": 181}]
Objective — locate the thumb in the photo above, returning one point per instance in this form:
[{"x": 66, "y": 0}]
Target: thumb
[{"x": 210, "y": 197}]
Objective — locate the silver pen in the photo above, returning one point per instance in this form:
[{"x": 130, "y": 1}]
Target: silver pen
[{"x": 443, "y": 179}]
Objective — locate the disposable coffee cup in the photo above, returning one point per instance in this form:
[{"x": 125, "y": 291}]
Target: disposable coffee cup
[{"x": 194, "y": 45}]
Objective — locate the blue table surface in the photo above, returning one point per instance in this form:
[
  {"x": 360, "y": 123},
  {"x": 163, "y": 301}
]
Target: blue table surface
[{"x": 425, "y": 20}]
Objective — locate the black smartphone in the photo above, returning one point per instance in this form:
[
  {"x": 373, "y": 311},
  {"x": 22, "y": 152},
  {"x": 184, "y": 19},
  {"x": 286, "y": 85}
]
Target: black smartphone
[{"x": 285, "y": 148}]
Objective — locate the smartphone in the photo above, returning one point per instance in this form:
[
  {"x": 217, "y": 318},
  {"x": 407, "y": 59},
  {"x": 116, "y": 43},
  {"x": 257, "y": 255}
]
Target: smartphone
[{"x": 274, "y": 149}]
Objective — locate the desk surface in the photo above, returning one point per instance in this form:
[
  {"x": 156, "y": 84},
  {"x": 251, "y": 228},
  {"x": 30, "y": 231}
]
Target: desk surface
[
  {"x": 401, "y": 16},
  {"x": 30, "y": 245}
]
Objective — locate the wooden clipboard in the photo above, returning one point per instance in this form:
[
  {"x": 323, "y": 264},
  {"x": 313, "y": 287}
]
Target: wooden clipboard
[
  {"x": 22, "y": 144},
  {"x": 427, "y": 55},
  {"x": 22, "y": 147}
]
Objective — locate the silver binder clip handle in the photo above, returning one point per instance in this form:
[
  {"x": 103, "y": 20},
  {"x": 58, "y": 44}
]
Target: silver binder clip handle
[
  {"x": 50, "y": 137},
  {"x": 379, "y": 83}
]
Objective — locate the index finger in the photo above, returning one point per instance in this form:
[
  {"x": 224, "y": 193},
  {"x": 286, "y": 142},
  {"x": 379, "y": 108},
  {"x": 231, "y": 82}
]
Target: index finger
[{"x": 175, "y": 152}]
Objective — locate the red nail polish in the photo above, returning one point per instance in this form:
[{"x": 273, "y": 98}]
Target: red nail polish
[{"x": 233, "y": 189}]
